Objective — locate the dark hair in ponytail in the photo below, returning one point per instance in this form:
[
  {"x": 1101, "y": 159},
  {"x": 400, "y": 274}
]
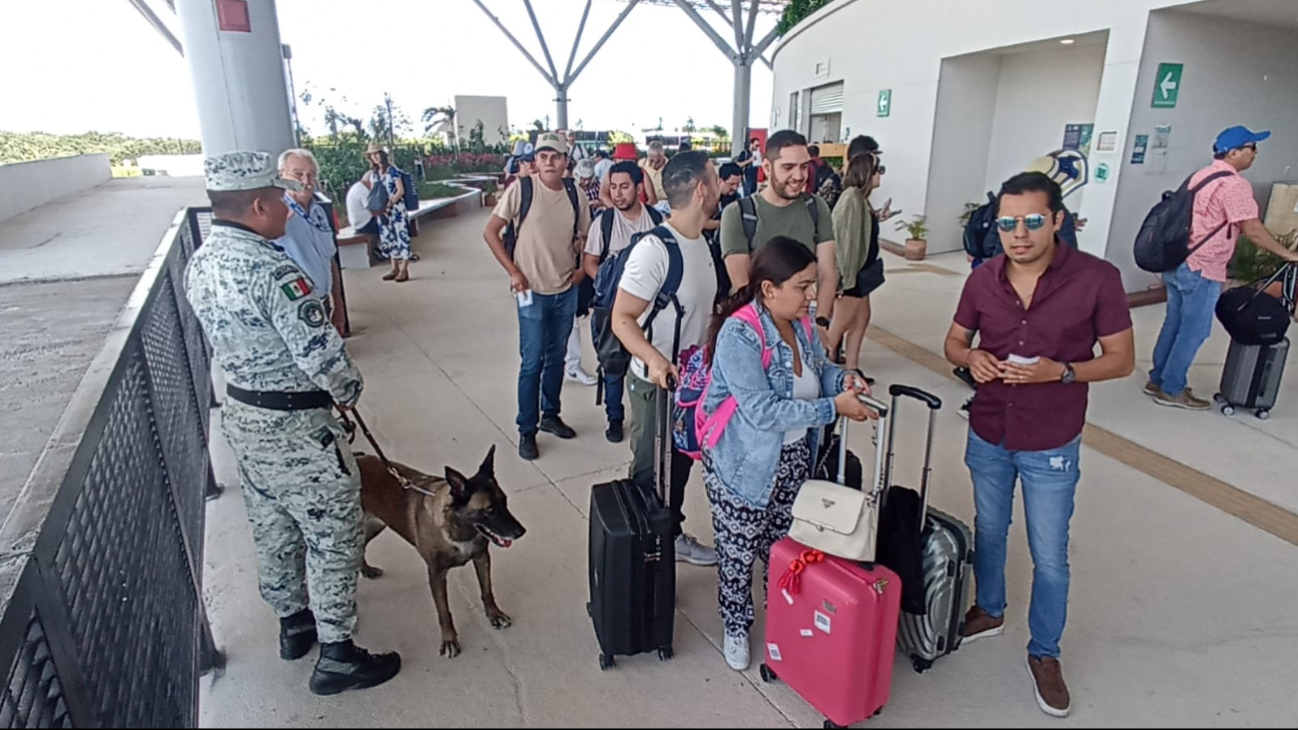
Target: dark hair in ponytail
[{"x": 779, "y": 260}]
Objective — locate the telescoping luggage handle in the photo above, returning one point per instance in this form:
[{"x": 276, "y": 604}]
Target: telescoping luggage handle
[
  {"x": 882, "y": 409},
  {"x": 934, "y": 405},
  {"x": 663, "y": 442}
]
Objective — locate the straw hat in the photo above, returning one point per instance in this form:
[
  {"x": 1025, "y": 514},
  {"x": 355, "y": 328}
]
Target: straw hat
[
  {"x": 374, "y": 147},
  {"x": 1069, "y": 168}
]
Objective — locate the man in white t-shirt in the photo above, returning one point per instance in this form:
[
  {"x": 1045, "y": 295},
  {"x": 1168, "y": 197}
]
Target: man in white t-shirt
[
  {"x": 359, "y": 217},
  {"x": 626, "y": 218},
  {"x": 690, "y": 183}
]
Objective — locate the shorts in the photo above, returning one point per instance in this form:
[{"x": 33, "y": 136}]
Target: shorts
[{"x": 868, "y": 279}]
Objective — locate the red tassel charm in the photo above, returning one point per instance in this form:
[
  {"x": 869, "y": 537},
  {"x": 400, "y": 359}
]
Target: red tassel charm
[{"x": 793, "y": 576}]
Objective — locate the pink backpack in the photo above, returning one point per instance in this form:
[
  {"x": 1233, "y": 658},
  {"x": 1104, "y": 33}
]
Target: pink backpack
[{"x": 709, "y": 427}]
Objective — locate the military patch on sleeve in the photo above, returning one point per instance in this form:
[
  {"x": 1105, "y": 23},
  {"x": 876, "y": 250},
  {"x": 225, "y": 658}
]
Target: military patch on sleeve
[
  {"x": 296, "y": 289},
  {"x": 312, "y": 312},
  {"x": 286, "y": 270}
]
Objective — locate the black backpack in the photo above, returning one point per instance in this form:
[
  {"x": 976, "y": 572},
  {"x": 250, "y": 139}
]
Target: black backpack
[
  {"x": 613, "y": 357},
  {"x": 606, "y": 227},
  {"x": 1163, "y": 243},
  {"x": 510, "y": 234},
  {"x": 1253, "y": 317},
  {"x": 748, "y": 211},
  {"x": 981, "y": 239}
]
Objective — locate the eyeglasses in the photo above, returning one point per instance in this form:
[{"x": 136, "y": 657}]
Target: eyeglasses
[
  {"x": 1009, "y": 223},
  {"x": 883, "y": 169},
  {"x": 1251, "y": 147}
]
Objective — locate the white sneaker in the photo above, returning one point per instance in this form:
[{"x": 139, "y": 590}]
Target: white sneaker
[
  {"x": 737, "y": 652},
  {"x": 689, "y": 550},
  {"x": 581, "y": 376}
]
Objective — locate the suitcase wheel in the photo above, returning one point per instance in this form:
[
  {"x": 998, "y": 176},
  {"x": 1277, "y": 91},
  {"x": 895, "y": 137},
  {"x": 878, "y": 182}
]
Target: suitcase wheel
[
  {"x": 768, "y": 674},
  {"x": 606, "y": 662},
  {"x": 1263, "y": 414},
  {"x": 920, "y": 665},
  {"x": 831, "y": 724},
  {"x": 1228, "y": 410},
  {"x": 665, "y": 654}
]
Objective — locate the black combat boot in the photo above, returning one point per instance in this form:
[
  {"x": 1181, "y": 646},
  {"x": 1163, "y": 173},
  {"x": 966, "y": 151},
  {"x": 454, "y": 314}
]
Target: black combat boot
[
  {"x": 343, "y": 666},
  {"x": 296, "y": 635}
]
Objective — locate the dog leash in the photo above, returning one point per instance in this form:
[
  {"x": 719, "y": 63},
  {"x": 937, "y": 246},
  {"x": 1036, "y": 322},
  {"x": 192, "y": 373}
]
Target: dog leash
[{"x": 378, "y": 450}]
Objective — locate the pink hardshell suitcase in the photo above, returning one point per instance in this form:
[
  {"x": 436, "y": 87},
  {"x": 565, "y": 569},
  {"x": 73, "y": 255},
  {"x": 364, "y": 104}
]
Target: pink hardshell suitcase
[{"x": 831, "y": 631}]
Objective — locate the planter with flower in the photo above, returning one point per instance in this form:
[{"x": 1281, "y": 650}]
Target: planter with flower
[{"x": 917, "y": 243}]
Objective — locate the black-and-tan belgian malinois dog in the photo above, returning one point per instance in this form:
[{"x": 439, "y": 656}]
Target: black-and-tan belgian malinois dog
[{"x": 452, "y": 521}]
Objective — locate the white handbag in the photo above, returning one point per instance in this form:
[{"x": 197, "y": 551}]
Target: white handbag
[{"x": 836, "y": 519}]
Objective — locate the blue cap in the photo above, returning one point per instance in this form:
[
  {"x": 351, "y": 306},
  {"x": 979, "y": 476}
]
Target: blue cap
[{"x": 1237, "y": 137}]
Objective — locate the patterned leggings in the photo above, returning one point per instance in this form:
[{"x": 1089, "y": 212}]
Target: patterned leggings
[{"x": 745, "y": 533}]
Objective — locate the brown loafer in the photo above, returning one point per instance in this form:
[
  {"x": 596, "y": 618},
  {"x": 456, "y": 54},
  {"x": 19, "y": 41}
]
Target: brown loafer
[
  {"x": 390, "y": 275},
  {"x": 1048, "y": 683},
  {"x": 403, "y": 276}
]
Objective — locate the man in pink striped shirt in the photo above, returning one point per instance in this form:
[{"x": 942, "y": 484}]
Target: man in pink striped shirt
[{"x": 1223, "y": 209}]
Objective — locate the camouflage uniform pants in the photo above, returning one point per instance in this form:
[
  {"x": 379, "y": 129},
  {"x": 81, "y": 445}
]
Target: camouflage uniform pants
[{"x": 302, "y": 487}]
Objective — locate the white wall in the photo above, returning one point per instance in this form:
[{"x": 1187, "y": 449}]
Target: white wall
[
  {"x": 492, "y": 110},
  {"x": 1038, "y": 94},
  {"x": 1235, "y": 73},
  {"x": 966, "y": 111},
  {"x": 27, "y": 185},
  {"x": 867, "y": 56}
]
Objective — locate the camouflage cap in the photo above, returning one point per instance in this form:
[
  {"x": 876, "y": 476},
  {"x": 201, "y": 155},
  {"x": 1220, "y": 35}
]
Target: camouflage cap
[{"x": 234, "y": 171}]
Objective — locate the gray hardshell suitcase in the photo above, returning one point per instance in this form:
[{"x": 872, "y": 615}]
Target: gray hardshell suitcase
[
  {"x": 1251, "y": 377},
  {"x": 947, "y": 561}
]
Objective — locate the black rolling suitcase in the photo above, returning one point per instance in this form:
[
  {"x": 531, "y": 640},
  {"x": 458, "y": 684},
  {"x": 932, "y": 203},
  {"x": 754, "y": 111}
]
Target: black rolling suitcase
[{"x": 632, "y": 560}]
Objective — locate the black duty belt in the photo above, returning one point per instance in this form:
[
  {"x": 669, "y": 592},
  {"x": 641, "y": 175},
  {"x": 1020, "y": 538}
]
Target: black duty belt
[{"x": 279, "y": 401}]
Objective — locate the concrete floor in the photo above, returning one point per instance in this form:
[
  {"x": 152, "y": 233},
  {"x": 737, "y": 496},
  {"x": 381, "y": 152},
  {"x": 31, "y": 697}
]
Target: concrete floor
[
  {"x": 66, "y": 269},
  {"x": 1177, "y": 615}
]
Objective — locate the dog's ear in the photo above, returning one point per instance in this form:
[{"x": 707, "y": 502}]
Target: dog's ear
[
  {"x": 488, "y": 467},
  {"x": 458, "y": 483}
]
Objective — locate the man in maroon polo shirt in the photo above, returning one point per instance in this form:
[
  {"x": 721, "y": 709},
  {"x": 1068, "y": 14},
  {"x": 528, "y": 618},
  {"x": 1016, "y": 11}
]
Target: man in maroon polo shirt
[{"x": 1038, "y": 310}]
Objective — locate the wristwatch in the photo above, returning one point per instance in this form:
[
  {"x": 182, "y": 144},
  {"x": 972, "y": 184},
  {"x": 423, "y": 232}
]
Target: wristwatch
[
  {"x": 1069, "y": 376},
  {"x": 823, "y": 322}
]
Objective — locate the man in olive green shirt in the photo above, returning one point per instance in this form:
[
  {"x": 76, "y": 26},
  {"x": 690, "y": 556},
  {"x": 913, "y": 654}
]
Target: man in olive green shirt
[{"x": 783, "y": 209}]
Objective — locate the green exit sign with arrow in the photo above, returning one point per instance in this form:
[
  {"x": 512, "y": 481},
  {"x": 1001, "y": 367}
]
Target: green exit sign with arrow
[{"x": 1167, "y": 85}]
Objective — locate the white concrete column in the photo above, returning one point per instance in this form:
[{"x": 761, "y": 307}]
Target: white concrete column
[
  {"x": 238, "y": 78},
  {"x": 743, "y": 104}
]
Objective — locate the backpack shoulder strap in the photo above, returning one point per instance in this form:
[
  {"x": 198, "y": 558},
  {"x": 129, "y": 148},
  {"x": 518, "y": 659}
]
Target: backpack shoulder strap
[
  {"x": 1214, "y": 176},
  {"x": 570, "y": 186},
  {"x": 655, "y": 215},
  {"x": 748, "y": 212},
  {"x": 606, "y": 230},
  {"x": 749, "y": 315},
  {"x": 813, "y": 207},
  {"x": 525, "y": 205},
  {"x": 675, "y": 269}
]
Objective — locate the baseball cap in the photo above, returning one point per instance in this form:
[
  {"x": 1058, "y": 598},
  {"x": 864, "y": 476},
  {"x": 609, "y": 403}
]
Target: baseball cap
[
  {"x": 1237, "y": 137},
  {"x": 585, "y": 169},
  {"x": 235, "y": 171},
  {"x": 552, "y": 141}
]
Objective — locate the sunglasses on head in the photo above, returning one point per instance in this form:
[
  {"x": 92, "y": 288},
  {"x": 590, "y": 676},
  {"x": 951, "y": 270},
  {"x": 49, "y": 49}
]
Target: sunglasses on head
[{"x": 1009, "y": 223}]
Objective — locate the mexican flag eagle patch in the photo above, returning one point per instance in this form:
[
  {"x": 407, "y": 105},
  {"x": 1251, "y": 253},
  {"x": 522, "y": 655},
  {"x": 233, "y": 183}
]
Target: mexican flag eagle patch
[{"x": 296, "y": 289}]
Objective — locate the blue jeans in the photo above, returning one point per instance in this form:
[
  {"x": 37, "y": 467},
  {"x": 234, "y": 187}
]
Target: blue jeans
[
  {"x": 1049, "y": 483},
  {"x": 613, "y": 406},
  {"x": 1191, "y": 301},
  {"x": 543, "y": 331}
]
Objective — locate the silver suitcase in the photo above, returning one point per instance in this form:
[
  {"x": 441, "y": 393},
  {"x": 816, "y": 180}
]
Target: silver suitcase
[
  {"x": 947, "y": 561},
  {"x": 1251, "y": 377}
]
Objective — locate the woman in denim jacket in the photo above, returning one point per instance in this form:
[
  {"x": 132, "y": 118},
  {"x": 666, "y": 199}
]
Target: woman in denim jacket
[{"x": 765, "y": 453}]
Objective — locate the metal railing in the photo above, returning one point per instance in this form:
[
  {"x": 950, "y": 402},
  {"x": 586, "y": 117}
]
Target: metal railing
[{"x": 101, "y": 557}]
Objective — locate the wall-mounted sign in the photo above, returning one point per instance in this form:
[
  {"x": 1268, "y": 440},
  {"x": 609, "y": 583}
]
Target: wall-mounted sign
[
  {"x": 1108, "y": 142},
  {"x": 885, "y": 102},
  {"x": 1102, "y": 173},
  {"x": 1138, "y": 151},
  {"x": 232, "y": 16},
  {"x": 1077, "y": 137},
  {"x": 1167, "y": 85}
]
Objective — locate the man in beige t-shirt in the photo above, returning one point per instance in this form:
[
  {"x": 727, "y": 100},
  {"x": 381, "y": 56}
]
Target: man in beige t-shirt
[
  {"x": 544, "y": 275},
  {"x": 653, "y": 166}
]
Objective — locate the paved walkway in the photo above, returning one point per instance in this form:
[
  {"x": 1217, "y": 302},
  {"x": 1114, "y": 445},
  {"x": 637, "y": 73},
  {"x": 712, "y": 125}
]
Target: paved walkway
[
  {"x": 1181, "y": 612},
  {"x": 66, "y": 269}
]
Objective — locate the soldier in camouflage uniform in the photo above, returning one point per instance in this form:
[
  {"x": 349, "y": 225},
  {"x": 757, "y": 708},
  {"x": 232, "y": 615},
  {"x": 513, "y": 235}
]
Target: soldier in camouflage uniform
[{"x": 284, "y": 367}]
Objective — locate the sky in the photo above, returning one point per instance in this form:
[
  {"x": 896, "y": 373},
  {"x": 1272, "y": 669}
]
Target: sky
[{"x": 114, "y": 73}]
